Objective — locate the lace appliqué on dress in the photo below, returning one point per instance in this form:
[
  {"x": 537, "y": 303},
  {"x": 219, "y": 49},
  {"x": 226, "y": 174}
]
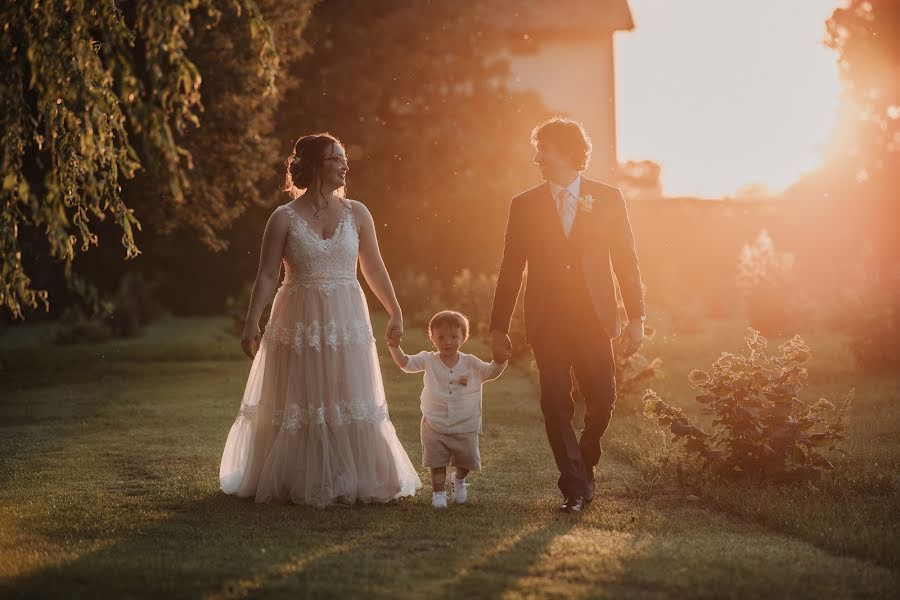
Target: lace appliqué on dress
[
  {"x": 294, "y": 417},
  {"x": 313, "y": 335},
  {"x": 327, "y": 286},
  {"x": 342, "y": 413},
  {"x": 249, "y": 411}
]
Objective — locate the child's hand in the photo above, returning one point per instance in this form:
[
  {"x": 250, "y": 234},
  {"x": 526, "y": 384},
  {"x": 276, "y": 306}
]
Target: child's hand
[{"x": 501, "y": 346}]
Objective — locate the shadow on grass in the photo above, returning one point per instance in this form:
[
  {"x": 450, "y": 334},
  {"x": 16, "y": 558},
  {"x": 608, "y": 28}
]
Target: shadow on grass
[
  {"x": 215, "y": 546},
  {"x": 503, "y": 567},
  {"x": 221, "y": 547}
]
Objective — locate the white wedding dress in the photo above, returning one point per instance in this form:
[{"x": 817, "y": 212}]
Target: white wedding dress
[{"x": 313, "y": 426}]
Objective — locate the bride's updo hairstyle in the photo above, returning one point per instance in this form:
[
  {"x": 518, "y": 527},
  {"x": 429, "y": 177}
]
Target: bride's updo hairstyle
[{"x": 305, "y": 161}]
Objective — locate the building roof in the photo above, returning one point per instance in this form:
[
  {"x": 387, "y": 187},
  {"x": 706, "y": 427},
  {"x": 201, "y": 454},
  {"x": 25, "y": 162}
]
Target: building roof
[{"x": 560, "y": 16}]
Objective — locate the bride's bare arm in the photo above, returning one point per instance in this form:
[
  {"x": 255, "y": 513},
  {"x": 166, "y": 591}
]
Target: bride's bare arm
[
  {"x": 266, "y": 278},
  {"x": 376, "y": 274}
]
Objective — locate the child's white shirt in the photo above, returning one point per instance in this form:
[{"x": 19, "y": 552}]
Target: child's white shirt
[{"x": 451, "y": 398}]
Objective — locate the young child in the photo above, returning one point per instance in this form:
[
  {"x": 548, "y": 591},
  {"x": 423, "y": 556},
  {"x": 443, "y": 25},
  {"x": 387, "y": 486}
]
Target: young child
[{"x": 450, "y": 402}]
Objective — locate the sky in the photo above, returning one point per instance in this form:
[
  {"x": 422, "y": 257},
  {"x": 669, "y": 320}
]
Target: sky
[{"x": 726, "y": 94}]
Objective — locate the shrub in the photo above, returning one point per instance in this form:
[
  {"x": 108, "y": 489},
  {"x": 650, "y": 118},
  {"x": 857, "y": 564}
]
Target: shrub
[
  {"x": 420, "y": 297},
  {"x": 77, "y": 327},
  {"x": 236, "y": 310},
  {"x": 96, "y": 317},
  {"x": 473, "y": 295},
  {"x": 763, "y": 275},
  {"x": 637, "y": 368},
  {"x": 133, "y": 305},
  {"x": 872, "y": 315},
  {"x": 761, "y": 429}
]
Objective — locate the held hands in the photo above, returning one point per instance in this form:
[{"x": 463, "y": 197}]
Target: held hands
[
  {"x": 501, "y": 346},
  {"x": 632, "y": 337},
  {"x": 394, "y": 334},
  {"x": 250, "y": 339}
]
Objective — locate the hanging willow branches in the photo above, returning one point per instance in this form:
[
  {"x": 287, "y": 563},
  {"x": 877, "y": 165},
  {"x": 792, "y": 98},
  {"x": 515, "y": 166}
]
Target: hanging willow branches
[{"x": 91, "y": 93}]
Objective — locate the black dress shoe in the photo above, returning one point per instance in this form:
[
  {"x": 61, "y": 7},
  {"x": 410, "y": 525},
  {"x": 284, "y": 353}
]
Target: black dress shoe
[{"x": 573, "y": 504}]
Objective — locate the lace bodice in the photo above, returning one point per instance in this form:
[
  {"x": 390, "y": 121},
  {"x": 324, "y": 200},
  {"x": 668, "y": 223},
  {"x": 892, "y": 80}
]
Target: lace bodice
[{"x": 310, "y": 260}]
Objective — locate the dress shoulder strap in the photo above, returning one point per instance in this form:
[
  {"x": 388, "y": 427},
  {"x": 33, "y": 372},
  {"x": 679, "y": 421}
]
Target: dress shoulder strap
[
  {"x": 290, "y": 212},
  {"x": 348, "y": 211}
]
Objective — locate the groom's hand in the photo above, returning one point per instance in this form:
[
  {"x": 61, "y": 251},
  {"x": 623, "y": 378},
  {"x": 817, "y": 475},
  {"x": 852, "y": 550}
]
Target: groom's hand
[
  {"x": 632, "y": 337},
  {"x": 501, "y": 346}
]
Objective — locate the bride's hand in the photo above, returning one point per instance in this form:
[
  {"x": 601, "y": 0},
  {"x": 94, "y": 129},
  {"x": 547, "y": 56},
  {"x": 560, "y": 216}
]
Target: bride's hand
[
  {"x": 394, "y": 334},
  {"x": 250, "y": 339}
]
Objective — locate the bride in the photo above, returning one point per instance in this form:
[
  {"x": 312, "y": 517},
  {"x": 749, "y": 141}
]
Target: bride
[{"x": 313, "y": 426}]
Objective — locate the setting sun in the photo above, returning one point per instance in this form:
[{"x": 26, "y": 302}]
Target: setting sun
[{"x": 726, "y": 95}]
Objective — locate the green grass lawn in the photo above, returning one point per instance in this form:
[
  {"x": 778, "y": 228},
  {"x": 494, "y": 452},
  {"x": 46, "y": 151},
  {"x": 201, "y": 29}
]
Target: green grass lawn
[{"x": 109, "y": 488}]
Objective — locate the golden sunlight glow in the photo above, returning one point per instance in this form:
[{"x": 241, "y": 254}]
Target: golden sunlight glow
[
  {"x": 241, "y": 588},
  {"x": 726, "y": 94}
]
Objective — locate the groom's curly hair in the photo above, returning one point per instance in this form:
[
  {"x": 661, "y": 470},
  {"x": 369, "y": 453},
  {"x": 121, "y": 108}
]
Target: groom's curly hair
[{"x": 567, "y": 136}]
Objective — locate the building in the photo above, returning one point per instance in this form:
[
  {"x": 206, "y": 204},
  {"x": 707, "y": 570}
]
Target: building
[{"x": 563, "y": 50}]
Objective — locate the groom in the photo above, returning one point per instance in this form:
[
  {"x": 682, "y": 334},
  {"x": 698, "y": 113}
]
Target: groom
[{"x": 567, "y": 231}]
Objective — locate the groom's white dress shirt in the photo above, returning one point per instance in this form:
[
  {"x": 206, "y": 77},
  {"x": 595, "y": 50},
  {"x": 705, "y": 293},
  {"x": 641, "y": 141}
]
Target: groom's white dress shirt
[{"x": 567, "y": 202}]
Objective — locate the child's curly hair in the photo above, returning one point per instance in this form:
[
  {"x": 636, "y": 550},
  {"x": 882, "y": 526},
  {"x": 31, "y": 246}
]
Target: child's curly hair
[{"x": 450, "y": 318}]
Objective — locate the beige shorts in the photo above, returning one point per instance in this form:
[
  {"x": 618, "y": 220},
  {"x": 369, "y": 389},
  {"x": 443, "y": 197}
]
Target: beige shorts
[{"x": 442, "y": 449}]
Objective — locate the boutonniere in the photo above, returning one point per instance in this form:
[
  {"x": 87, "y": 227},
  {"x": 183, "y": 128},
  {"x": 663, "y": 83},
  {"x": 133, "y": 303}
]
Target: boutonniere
[
  {"x": 586, "y": 203},
  {"x": 464, "y": 380}
]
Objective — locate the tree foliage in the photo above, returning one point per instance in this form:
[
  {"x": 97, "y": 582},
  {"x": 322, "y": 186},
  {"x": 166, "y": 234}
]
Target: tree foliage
[
  {"x": 864, "y": 166},
  {"x": 866, "y": 36},
  {"x": 96, "y": 94}
]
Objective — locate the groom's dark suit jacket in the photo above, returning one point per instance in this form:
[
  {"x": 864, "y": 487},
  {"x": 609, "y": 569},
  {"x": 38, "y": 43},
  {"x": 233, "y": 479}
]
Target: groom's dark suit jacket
[{"x": 534, "y": 237}]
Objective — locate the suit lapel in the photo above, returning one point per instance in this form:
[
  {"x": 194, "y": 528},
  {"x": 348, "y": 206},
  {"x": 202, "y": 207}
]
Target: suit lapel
[{"x": 586, "y": 222}]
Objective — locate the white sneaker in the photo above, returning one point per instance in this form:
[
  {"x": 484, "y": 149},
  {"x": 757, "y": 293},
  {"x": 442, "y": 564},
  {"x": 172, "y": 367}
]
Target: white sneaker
[
  {"x": 439, "y": 500},
  {"x": 460, "y": 495}
]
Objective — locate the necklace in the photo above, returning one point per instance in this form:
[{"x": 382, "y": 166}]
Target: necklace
[{"x": 319, "y": 209}]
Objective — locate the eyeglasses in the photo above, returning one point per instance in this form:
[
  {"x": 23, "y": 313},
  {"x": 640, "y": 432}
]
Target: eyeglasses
[{"x": 340, "y": 158}]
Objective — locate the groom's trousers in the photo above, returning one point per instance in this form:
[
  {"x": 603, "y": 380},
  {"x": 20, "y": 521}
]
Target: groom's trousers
[{"x": 573, "y": 342}]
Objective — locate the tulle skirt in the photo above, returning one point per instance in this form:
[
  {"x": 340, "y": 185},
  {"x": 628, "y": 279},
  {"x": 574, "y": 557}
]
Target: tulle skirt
[{"x": 313, "y": 426}]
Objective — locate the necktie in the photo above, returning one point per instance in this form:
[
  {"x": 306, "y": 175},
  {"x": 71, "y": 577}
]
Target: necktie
[{"x": 566, "y": 205}]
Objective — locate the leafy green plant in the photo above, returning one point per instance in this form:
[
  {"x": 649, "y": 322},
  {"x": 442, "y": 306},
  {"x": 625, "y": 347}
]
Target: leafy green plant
[{"x": 761, "y": 428}]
